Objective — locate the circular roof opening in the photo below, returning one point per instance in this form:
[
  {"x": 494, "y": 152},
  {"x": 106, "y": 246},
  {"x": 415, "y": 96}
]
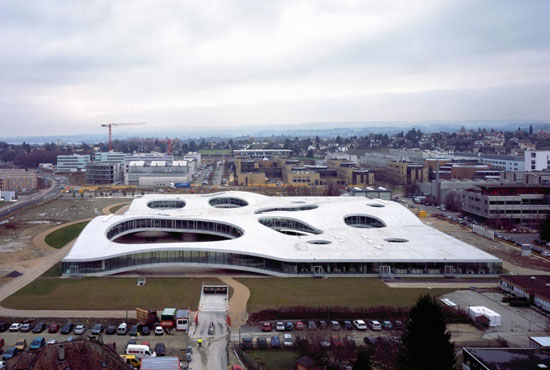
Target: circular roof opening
[
  {"x": 228, "y": 202},
  {"x": 319, "y": 242},
  {"x": 375, "y": 205},
  {"x": 364, "y": 222},
  {"x": 396, "y": 240},
  {"x": 305, "y": 207},
  {"x": 166, "y": 204}
]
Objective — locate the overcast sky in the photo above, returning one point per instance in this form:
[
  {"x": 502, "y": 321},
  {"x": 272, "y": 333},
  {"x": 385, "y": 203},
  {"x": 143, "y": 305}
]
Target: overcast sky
[{"x": 67, "y": 66}]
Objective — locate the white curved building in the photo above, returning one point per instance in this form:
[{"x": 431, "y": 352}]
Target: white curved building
[{"x": 280, "y": 236}]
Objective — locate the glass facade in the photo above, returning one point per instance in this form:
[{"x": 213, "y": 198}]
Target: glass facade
[
  {"x": 227, "y": 202},
  {"x": 166, "y": 204},
  {"x": 363, "y": 221},
  {"x": 287, "y": 209},
  {"x": 141, "y": 224},
  {"x": 268, "y": 266},
  {"x": 282, "y": 224}
]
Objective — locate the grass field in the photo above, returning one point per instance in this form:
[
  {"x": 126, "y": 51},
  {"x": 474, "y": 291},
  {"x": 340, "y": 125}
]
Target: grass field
[
  {"x": 275, "y": 360},
  {"x": 215, "y": 151},
  {"x": 59, "y": 238},
  {"x": 106, "y": 293},
  {"x": 117, "y": 207},
  {"x": 349, "y": 292}
]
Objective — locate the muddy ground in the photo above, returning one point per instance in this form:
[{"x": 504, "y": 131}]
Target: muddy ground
[
  {"x": 494, "y": 247},
  {"x": 17, "y": 252}
]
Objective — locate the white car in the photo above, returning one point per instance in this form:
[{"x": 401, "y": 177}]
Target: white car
[
  {"x": 159, "y": 330},
  {"x": 80, "y": 329},
  {"x": 51, "y": 341},
  {"x": 15, "y": 326},
  {"x": 287, "y": 340},
  {"x": 375, "y": 325},
  {"x": 359, "y": 325},
  {"x": 280, "y": 326}
]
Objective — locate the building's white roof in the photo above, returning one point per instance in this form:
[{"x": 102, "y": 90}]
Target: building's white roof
[
  {"x": 137, "y": 163},
  {"x": 542, "y": 341},
  {"x": 347, "y": 244},
  {"x": 158, "y": 163}
]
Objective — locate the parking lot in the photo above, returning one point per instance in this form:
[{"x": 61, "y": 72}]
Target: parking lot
[{"x": 518, "y": 323}]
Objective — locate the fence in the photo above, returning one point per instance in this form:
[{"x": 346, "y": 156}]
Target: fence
[
  {"x": 247, "y": 361},
  {"x": 478, "y": 229}
]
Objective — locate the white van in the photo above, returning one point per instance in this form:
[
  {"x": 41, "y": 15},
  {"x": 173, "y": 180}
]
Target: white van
[
  {"x": 139, "y": 350},
  {"x": 122, "y": 329}
]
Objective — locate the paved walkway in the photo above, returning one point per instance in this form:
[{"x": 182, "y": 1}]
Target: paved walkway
[
  {"x": 237, "y": 302},
  {"x": 120, "y": 211}
]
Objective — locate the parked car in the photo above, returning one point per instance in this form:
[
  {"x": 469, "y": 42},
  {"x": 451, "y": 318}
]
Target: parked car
[
  {"x": 122, "y": 329},
  {"x": 4, "y": 326},
  {"x": 10, "y": 353},
  {"x": 37, "y": 343},
  {"x": 375, "y": 325},
  {"x": 322, "y": 324},
  {"x": 280, "y": 326},
  {"x": 289, "y": 326},
  {"x": 15, "y": 327},
  {"x": 386, "y": 324},
  {"x": 134, "y": 331},
  {"x": 53, "y": 328},
  {"x": 325, "y": 342},
  {"x": 261, "y": 342},
  {"x": 159, "y": 330},
  {"x": 160, "y": 349},
  {"x": 98, "y": 329},
  {"x": 145, "y": 330},
  {"x": 287, "y": 340},
  {"x": 67, "y": 328},
  {"x": 370, "y": 340},
  {"x": 359, "y": 325},
  {"x": 275, "y": 342},
  {"x": 211, "y": 328},
  {"x": 21, "y": 344},
  {"x": 311, "y": 325},
  {"x": 335, "y": 325},
  {"x": 266, "y": 326},
  {"x": 80, "y": 329},
  {"x": 111, "y": 329},
  {"x": 300, "y": 325},
  {"x": 348, "y": 325},
  {"x": 51, "y": 341},
  {"x": 25, "y": 328},
  {"x": 399, "y": 324},
  {"x": 39, "y": 328},
  {"x": 247, "y": 343}
]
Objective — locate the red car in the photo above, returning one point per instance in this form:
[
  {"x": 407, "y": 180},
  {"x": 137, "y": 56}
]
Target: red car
[
  {"x": 266, "y": 326},
  {"x": 300, "y": 325},
  {"x": 53, "y": 328}
]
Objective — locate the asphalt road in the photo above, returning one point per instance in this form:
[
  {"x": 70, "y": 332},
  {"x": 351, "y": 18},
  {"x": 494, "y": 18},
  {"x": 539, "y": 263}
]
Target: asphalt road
[{"x": 51, "y": 193}]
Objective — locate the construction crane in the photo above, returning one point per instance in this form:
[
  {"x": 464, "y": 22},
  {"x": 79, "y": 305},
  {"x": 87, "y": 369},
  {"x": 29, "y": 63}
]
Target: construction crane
[{"x": 118, "y": 124}]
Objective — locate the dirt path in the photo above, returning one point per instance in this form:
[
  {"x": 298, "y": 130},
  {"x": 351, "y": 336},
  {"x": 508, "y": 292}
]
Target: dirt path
[
  {"x": 41, "y": 266},
  {"x": 237, "y": 302},
  {"x": 107, "y": 210}
]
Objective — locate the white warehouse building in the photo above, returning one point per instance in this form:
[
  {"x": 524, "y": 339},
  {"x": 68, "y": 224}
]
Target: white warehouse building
[{"x": 279, "y": 236}]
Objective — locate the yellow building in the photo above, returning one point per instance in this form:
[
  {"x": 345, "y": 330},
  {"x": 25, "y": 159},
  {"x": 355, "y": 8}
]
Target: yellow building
[
  {"x": 301, "y": 178},
  {"x": 17, "y": 180},
  {"x": 406, "y": 173},
  {"x": 251, "y": 178}
]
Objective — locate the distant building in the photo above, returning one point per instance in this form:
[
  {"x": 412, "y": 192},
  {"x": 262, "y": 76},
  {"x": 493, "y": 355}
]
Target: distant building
[
  {"x": 104, "y": 173},
  {"x": 516, "y": 202},
  {"x": 157, "y": 173},
  {"x": 109, "y": 157},
  {"x": 406, "y": 173},
  {"x": 301, "y": 177},
  {"x": 505, "y": 359},
  {"x": 500, "y": 162},
  {"x": 537, "y": 160},
  {"x": 263, "y": 153},
  {"x": 524, "y": 177},
  {"x": 7, "y": 196},
  {"x": 17, "y": 180},
  {"x": 72, "y": 162},
  {"x": 539, "y": 342},
  {"x": 379, "y": 192}
]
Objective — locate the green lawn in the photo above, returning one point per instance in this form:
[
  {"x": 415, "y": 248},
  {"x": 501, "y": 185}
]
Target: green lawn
[
  {"x": 59, "y": 238},
  {"x": 275, "y": 359},
  {"x": 215, "y": 151},
  {"x": 107, "y": 293},
  {"x": 117, "y": 207},
  {"x": 349, "y": 292}
]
